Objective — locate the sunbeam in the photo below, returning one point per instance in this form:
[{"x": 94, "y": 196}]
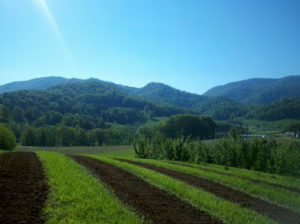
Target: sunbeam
[{"x": 44, "y": 7}]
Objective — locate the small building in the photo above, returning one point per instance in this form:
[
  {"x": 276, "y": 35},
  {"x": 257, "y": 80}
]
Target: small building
[
  {"x": 252, "y": 136},
  {"x": 290, "y": 134}
]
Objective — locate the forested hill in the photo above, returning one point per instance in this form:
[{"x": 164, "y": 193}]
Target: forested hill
[
  {"x": 219, "y": 108},
  {"x": 285, "y": 108},
  {"x": 37, "y": 84},
  {"x": 92, "y": 102},
  {"x": 258, "y": 91}
]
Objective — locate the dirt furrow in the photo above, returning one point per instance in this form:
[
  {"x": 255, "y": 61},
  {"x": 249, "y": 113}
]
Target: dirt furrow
[
  {"x": 278, "y": 213},
  {"x": 23, "y": 188},
  {"x": 245, "y": 178},
  {"x": 155, "y": 204}
]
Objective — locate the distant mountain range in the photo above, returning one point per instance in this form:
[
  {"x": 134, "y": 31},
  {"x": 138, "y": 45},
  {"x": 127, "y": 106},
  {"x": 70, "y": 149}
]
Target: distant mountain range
[
  {"x": 221, "y": 103},
  {"x": 37, "y": 84},
  {"x": 258, "y": 91}
]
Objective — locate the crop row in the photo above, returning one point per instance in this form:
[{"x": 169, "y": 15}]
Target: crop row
[
  {"x": 79, "y": 195},
  {"x": 284, "y": 197}
]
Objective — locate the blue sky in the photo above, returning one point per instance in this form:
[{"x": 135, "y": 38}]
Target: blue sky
[{"x": 192, "y": 45}]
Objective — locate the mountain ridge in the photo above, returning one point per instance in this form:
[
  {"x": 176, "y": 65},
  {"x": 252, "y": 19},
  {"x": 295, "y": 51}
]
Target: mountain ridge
[
  {"x": 258, "y": 91},
  {"x": 36, "y": 83}
]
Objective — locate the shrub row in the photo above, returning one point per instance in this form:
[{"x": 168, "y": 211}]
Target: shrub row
[{"x": 257, "y": 154}]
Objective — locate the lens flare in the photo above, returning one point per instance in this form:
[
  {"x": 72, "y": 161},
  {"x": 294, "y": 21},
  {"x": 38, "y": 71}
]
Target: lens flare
[{"x": 47, "y": 12}]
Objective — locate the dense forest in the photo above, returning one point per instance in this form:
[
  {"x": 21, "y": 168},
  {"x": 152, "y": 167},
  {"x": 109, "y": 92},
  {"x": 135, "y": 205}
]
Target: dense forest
[
  {"x": 85, "y": 110},
  {"x": 85, "y": 105},
  {"x": 186, "y": 125},
  {"x": 285, "y": 108},
  {"x": 258, "y": 91},
  {"x": 219, "y": 108},
  {"x": 37, "y": 84}
]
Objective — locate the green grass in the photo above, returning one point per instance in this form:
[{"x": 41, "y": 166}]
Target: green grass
[
  {"x": 278, "y": 195},
  {"x": 228, "y": 212},
  {"x": 75, "y": 149},
  {"x": 272, "y": 178},
  {"x": 256, "y": 126},
  {"x": 77, "y": 197},
  {"x": 121, "y": 154}
]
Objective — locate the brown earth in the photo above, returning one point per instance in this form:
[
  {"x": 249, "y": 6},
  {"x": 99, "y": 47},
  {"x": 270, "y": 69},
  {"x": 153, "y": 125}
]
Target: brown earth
[
  {"x": 276, "y": 212},
  {"x": 23, "y": 188},
  {"x": 155, "y": 204},
  {"x": 245, "y": 178}
]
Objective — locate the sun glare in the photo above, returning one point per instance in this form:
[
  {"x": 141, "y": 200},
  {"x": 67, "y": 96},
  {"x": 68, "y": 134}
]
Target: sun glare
[
  {"x": 44, "y": 7},
  {"x": 42, "y": 4}
]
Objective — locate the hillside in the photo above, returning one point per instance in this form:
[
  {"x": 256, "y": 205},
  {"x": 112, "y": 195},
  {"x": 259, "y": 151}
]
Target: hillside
[
  {"x": 91, "y": 100},
  {"x": 285, "y": 108},
  {"x": 219, "y": 108},
  {"x": 258, "y": 91},
  {"x": 37, "y": 84}
]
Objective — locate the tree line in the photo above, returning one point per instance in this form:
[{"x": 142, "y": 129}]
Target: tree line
[{"x": 257, "y": 154}]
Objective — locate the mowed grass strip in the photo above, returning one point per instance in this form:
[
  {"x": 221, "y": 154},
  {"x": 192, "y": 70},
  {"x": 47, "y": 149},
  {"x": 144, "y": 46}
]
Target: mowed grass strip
[
  {"x": 272, "y": 210},
  {"x": 253, "y": 180},
  {"x": 155, "y": 204},
  {"x": 285, "y": 198},
  {"x": 272, "y": 178},
  {"x": 76, "y": 197},
  {"x": 228, "y": 212}
]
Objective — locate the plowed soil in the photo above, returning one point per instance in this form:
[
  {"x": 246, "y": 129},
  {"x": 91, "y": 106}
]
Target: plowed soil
[
  {"x": 278, "y": 213},
  {"x": 155, "y": 204},
  {"x": 245, "y": 178},
  {"x": 23, "y": 188}
]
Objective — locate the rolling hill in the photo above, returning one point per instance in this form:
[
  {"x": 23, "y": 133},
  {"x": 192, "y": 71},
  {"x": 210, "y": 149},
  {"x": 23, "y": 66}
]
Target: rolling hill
[
  {"x": 258, "y": 91},
  {"x": 219, "y": 108},
  {"x": 91, "y": 100},
  {"x": 37, "y": 84}
]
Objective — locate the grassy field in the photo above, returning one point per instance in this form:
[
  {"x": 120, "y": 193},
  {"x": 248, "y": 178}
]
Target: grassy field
[
  {"x": 77, "y": 197},
  {"x": 227, "y": 211},
  {"x": 75, "y": 150},
  {"x": 271, "y": 128},
  {"x": 272, "y": 178},
  {"x": 282, "y": 196}
]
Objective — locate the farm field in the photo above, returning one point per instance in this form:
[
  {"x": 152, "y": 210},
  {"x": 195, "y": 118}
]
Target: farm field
[
  {"x": 289, "y": 198},
  {"x": 115, "y": 187},
  {"x": 76, "y": 150}
]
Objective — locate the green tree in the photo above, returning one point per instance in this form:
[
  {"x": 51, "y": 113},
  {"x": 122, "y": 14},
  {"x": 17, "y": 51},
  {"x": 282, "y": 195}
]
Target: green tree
[
  {"x": 4, "y": 114},
  {"x": 29, "y": 138},
  {"x": 7, "y": 138},
  {"x": 18, "y": 114}
]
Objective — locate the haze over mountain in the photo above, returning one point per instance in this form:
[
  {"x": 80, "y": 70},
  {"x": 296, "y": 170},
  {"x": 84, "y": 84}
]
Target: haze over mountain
[
  {"x": 221, "y": 102},
  {"x": 91, "y": 100},
  {"x": 258, "y": 91},
  {"x": 37, "y": 84},
  {"x": 217, "y": 107}
]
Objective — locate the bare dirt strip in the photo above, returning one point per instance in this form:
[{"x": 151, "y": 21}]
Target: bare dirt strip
[
  {"x": 245, "y": 178},
  {"x": 155, "y": 204},
  {"x": 23, "y": 188},
  {"x": 278, "y": 213}
]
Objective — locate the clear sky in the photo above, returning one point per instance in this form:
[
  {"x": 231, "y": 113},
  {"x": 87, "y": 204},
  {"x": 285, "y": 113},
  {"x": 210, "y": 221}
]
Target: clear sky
[{"x": 192, "y": 45}]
